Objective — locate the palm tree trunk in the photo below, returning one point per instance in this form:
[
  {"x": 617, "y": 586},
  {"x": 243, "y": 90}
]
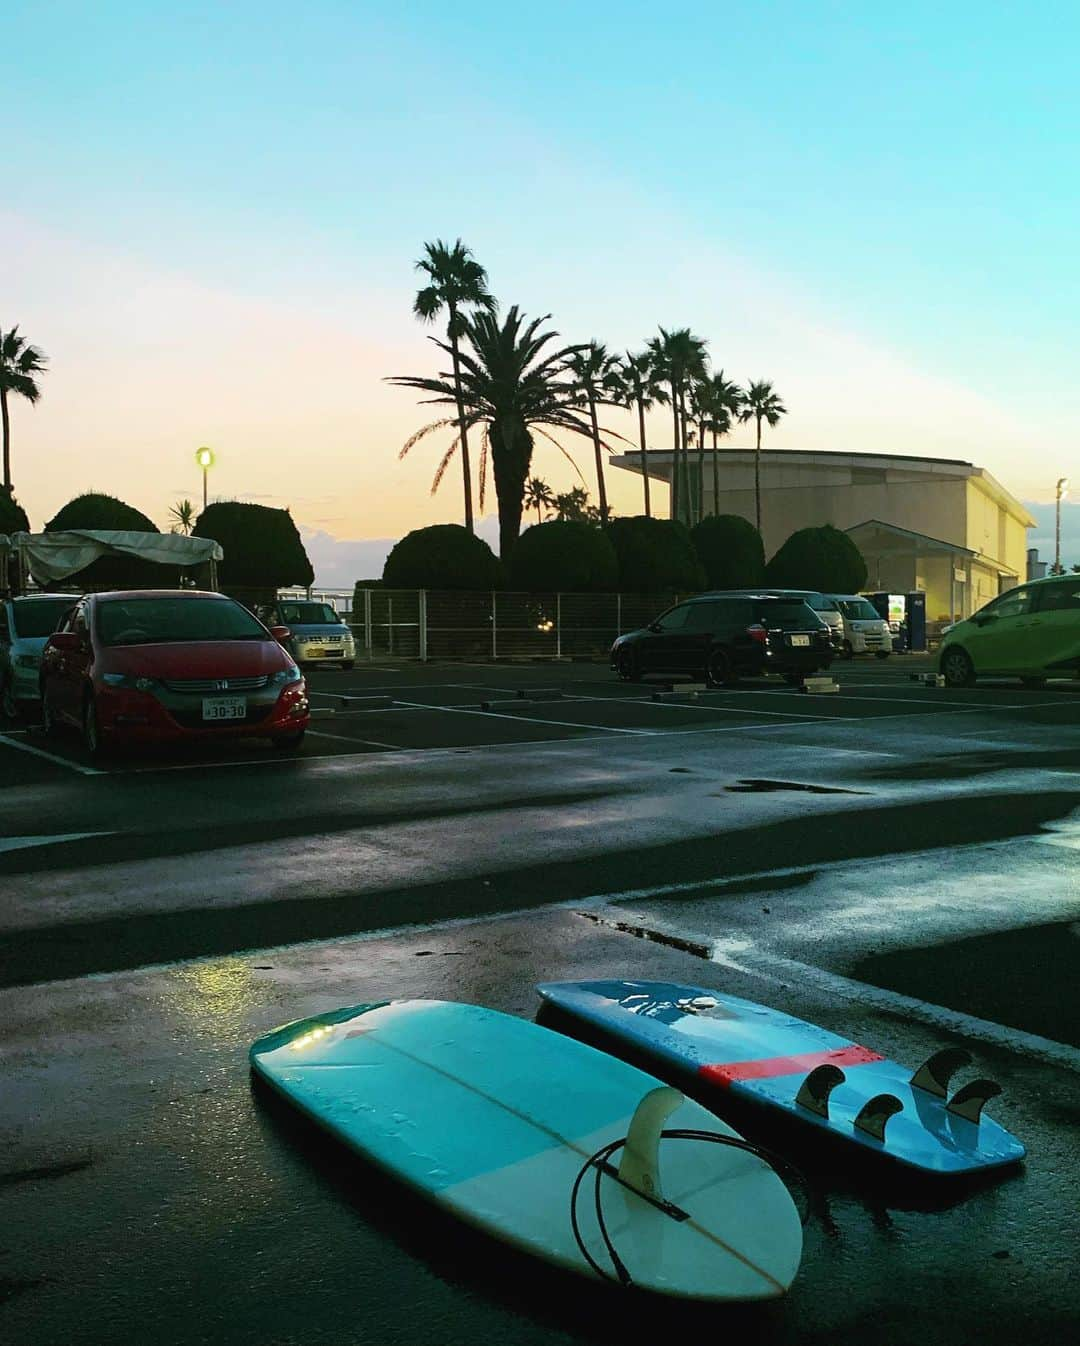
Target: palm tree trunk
[
  {"x": 675, "y": 465},
  {"x": 466, "y": 471},
  {"x": 644, "y": 468},
  {"x": 7, "y": 438},
  {"x": 701, "y": 470},
  {"x": 757, "y": 475},
  {"x": 599, "y": 459},
  {"x": 715, "y": 476},
  {"x": 687, "y": 497},
  {"x": 510, "y": 467}
]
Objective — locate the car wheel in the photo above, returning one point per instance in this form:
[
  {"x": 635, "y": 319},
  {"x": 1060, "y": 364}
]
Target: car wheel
[
  {"x": 957, "y": 668},
  {"x": 92, "y": 729},
  {"x": 348, "y": 665},
  {"x": 719, "y": 671},
  {"x": 848, "y": 652},
  {"x": 9, "y": 707},
  {"x": 287, "y": 742},
  {"x": 794, "y": 679},
  {"x": 881, "y": 654},
  {"x": 626, "y": 665},
  {"x": 1033, "y": 683}
]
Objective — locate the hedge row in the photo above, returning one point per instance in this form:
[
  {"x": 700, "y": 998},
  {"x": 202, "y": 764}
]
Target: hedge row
[{"x": 636, "y": 555}]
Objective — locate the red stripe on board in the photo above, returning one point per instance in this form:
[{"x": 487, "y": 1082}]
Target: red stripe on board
[{"x": 731, "y": 1071}]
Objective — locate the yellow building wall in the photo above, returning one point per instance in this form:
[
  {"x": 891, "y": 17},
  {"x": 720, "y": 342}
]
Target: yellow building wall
[
  {"x": 994, "y": 532},
  {"x": 792, "y": 498}
]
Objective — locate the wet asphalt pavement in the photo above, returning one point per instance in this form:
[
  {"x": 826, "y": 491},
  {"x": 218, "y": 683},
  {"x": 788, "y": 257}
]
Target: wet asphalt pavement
[{"x": 897, "y": 863}]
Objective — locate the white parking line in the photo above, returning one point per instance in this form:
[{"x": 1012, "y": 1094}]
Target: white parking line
[
  {"x": 530, "y": 719},
  {"x": 708, "y": 706},
  {"x": 347, "y": 738},
  {"x": 51, "y": 757}
]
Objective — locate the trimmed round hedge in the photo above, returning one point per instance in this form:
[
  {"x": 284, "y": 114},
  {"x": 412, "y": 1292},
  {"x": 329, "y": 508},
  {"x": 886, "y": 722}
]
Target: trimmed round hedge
[
  {"x": 729, "y": 548},
  {"x": 12, "y": 515},
  {"x": 564, "y": 557},
  {"x": 94, "y": 510},
  {"x": 818, "y": 558},
  {"x": 262, "y": 546},
  {"x": 105, "y": 512},
  {"x": 655, "y": 556},
  {"x": 444, "y": 556}
]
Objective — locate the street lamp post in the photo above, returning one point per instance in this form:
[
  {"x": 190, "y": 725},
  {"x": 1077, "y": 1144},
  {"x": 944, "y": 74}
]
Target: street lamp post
[
  {"x": 205, "y": 458},
  {"x": 1062, "y": 487}
]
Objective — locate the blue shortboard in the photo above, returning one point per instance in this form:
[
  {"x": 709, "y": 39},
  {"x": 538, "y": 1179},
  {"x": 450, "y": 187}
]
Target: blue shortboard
[
  {"x": 761, "y": 1055},
  {"x": 563, "y": 1151}
]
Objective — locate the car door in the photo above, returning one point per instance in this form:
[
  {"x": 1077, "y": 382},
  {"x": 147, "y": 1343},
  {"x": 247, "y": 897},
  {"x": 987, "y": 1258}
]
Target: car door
[
  {"x": 1054, "y": 626},
  {"x": 59, "y": 664},
  {"x": 1000, "y": 640},
  {"x": 703, "y": 624},
  {"x": 659, "y": 650},
  {"x": 79, "y": 662}
]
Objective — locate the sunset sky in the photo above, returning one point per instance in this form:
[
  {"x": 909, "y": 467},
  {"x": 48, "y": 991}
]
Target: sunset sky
[{"x": 210, "y": 215}]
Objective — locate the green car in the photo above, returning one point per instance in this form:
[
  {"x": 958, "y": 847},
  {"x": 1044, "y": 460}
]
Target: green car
[{"x": 1031, "y": 633}]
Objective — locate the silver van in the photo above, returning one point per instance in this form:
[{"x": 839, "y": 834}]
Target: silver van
[{"x": 865, "y": 630}]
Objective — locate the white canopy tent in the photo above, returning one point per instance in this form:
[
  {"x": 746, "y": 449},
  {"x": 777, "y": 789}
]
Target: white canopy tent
[{"x": 52, "y": 557}]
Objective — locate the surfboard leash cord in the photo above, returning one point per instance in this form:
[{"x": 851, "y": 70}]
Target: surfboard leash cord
[{"x": 601, "y": 1163}]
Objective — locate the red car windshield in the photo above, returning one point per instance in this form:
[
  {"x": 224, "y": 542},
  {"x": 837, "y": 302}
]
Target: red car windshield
[{"x": 155, "y": 621}]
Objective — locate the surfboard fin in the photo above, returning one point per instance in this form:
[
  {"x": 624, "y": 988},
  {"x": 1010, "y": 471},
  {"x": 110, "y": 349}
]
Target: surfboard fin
[
  {"x": 936, "y": 1071},
  {"x": 969, "y": 1100},
  {"x": 875, "y": 1114},
  {"x": 640, "y": 1165},
  {"x": 814, "y": 1091}
]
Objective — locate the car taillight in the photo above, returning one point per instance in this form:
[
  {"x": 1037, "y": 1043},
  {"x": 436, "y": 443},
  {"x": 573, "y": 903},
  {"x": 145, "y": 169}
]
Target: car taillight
[{"x": 757, "y": 633}]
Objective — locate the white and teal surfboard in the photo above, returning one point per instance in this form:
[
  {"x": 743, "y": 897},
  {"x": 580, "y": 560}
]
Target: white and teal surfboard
[{"x": 496, "y": 1119}]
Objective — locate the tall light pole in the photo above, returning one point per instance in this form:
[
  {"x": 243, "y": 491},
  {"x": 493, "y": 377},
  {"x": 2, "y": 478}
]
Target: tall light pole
[
  {"x": 1062, "y": 487},
  {"x": 205, "y": 458}
]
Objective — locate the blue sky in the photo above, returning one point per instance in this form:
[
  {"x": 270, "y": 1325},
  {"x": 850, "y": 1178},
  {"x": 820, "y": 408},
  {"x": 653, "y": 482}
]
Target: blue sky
[{"x": 874, "y": 205}]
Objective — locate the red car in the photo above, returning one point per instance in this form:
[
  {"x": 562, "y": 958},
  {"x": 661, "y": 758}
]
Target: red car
[{"x": 158, "y": 665}]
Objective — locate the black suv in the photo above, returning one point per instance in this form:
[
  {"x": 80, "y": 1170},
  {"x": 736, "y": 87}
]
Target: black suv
[{"x": 725, "y": 637}]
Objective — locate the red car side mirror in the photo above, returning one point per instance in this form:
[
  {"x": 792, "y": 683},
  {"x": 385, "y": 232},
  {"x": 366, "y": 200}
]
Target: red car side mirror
[
  {"x": 67, "y": 642},
  {"x": 281, "y": 634}
]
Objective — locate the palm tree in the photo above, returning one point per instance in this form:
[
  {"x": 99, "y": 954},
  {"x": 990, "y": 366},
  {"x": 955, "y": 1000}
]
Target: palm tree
[
  {"x": 759, "y": 404},
  {"x": 538, "y": 495},
  {"x": 643, "y": 389},
  {"x": 725, "y": 399},
  {"x": 598, "y": 378},
  {"x": 679, "y": 357},
  {"x": 19, "y": 362},
  {"x": 513, "y": 386},
  {"x": 457, "y": 281},
  {"x": 183, "y": 517}
]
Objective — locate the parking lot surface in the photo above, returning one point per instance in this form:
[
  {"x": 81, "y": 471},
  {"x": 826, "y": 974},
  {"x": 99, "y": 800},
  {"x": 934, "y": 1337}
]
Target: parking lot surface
[{"x": 895, "y": 861}]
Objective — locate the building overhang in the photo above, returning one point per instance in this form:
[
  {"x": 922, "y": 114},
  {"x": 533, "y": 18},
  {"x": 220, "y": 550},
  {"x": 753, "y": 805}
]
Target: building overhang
[{"x": 888, "y": 539}]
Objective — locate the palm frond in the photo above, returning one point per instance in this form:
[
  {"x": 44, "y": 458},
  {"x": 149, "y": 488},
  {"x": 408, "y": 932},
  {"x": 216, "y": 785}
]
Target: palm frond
[
  {"x": 444, "y": 464},
  {"x": 424, "y": 431}
]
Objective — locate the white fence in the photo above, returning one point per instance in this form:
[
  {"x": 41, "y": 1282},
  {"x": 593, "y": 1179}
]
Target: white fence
[{"x": 442, "y": 624}]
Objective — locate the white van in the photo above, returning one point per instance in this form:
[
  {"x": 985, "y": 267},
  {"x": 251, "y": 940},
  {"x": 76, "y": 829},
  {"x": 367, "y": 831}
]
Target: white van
[{"x": 865, "y": 630}]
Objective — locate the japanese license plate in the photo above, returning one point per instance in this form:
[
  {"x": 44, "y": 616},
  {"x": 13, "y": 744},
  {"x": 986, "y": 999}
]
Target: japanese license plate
[
  {"x": 224, "y": 707},
  {"x": 800, "y": 640}
]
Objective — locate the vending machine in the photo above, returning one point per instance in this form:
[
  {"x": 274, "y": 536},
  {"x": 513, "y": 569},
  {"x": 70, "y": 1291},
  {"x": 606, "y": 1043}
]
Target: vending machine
[{"x": 906, "y": 615}]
